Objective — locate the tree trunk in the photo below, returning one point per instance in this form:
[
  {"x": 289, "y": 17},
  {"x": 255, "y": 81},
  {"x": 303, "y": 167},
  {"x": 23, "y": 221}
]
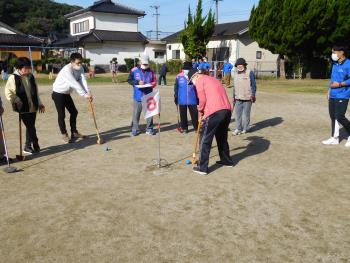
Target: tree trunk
[{"x": 282, "y": 67}]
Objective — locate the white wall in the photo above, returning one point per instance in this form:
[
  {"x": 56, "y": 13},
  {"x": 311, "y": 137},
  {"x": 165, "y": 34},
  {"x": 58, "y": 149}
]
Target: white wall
[
  {"x": 150, "y": 51},
  {"x": 101, "y": 54},
  {"x": 248, "y": 49},
  {"x": 230, "y": 43},
  {"x": 82, "y": 18},
  {"x": 175, "y": 46},
  {"x": 5, "y": 31},
  {"x": 116, "y": 22}
]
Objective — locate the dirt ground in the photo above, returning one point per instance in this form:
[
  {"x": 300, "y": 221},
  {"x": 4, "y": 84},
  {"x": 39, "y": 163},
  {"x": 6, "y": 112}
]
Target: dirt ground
[{"x": 286, "y": 199}]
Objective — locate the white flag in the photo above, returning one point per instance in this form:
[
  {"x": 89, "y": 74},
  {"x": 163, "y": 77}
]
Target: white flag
[{"x": 151, "y": 104}]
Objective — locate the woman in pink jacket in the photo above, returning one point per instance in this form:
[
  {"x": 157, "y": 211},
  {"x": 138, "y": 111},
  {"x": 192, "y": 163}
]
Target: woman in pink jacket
[{"x": 215, "y": 109}]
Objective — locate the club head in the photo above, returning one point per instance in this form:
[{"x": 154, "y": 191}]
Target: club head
[
  {"x": 10, "y": 170},
  {"x": 20, "y": 158},
  {"x": 194, "y": 161}
]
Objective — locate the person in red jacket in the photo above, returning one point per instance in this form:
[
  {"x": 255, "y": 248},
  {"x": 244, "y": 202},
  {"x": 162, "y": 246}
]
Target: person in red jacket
[{"x": 215, "y": 109}]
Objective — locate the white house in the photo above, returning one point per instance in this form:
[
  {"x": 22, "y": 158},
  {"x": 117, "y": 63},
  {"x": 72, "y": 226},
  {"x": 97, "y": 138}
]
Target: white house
[
  {"x": 106, "y": 30},
  {"x": 230, "y": 41}
]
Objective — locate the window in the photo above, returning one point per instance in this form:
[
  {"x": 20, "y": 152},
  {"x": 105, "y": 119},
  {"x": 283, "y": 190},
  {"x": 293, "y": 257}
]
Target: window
[
  {"x": 169, "y": 47},
  {"x": 176, "y": 54},
  {"x": 159, "y": 54},
  {"x": 218, "y": 54},
  {"x": 81, "y": 27},
  {"x": 258, "y": 54}
]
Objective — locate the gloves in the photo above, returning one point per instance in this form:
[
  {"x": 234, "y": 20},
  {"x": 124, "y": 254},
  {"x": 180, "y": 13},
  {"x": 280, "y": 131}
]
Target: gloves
[{"x": 253, "y": 99}]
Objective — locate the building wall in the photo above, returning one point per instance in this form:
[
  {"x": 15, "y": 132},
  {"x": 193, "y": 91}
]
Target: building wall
[
  {"x": 150, "y": 50},
  {"x": 248, "y": 50},
  {"x": 175, "y": 46},
  {"x": 36, "y": 54},
  {"x": 102, "y": 54},
  {"x": 81, "y": 18},
  {"x": 113, "y": 22}
]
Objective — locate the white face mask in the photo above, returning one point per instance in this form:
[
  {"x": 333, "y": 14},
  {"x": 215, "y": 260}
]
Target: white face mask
[
  {"x": 76, "y": 67},
  {"x": 186, "y": 71},
  {"x": 144, "y": 66},
  {"x": 240, "y": 69},
  {"x": 335, "y": 57}
]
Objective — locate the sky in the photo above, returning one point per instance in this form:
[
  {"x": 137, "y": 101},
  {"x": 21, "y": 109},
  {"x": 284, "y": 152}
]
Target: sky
[{"x": 174, "y": 12}]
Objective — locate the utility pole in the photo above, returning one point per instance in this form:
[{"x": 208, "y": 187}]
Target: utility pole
[
  {"x": 156, "y": 7},
  {"x": 217, "y": 11}
]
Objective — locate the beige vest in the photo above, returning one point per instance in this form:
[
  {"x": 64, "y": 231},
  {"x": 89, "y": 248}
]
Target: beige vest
[{"x": 242, "y": 86}]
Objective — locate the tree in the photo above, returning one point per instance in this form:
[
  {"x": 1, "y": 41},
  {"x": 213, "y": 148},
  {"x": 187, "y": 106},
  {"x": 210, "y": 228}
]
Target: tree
[
  {"x": 197, "y": 33},
  {"x": 303, "y": 30},
  {"x": 36, "y": 17}
]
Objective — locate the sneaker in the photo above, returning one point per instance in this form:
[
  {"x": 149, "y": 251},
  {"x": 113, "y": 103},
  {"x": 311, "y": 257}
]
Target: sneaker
[
  {"x": 77, "y": 135},
  {"x": 224, "y": 164},
  {"x": 331, "y": 141},
  {"x": 236, "y": 132},
  {"x": 36, "y": 148},
  {"x": 3, "y": 160},
  {"x": 66, "y": 138},
  {"x": 151, "y": 132},
  {"x": 135, "y": 133},
  {"x": 198, "y": 171},
  {"x": 28, "y": 150},
  {"x": 347, "y": 144}
]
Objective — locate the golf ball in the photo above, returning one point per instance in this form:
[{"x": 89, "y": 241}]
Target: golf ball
[{"x": 188, "y": 162}]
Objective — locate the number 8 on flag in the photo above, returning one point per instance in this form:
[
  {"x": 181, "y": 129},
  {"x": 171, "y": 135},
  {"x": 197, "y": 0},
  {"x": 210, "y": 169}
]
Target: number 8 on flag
[{"x": 151, "y": 104}]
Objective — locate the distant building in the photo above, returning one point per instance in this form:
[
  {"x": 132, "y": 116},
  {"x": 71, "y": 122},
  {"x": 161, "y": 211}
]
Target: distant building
[
  {"x": 230, "y": 41},
  {"x": 106, "y": 30},
  {"x": 14, "y": 43}
]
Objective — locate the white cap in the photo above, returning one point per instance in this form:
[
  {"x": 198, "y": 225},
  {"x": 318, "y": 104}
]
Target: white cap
[{"x": 145, "y": 60}]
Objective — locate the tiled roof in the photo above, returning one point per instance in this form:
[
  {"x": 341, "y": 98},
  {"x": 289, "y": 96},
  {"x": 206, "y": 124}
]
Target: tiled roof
[{"x": 107, "y": 6}]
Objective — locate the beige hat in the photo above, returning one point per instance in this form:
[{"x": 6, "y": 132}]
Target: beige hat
[{"x": 145, "y": 60}]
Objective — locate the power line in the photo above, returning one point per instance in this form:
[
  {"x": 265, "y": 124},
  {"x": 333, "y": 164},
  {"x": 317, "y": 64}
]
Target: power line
[{"x": 156, "y": 7}]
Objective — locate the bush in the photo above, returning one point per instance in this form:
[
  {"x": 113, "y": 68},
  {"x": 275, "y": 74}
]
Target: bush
[
  {"x": 122, "y": 68},
  {"x": 130, "y": 63},
  {"x": 174, "y": 65}
]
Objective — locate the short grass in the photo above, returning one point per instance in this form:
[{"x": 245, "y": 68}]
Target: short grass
[{"x": 312, "y": 86}]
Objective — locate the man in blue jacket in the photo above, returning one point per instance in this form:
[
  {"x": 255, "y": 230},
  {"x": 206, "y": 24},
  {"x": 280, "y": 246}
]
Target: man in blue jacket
[
  {"x": 204, "y": 67},
  {"x": 140, "y": 76},
  {"x": 185, "y": 96},
  {"x": 227, "y": 73},
  {"x": 339, "y": 93}
]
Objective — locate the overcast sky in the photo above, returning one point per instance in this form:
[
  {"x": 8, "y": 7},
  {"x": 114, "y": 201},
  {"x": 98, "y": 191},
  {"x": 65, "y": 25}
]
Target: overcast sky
[{"x": 174, "y": 12}]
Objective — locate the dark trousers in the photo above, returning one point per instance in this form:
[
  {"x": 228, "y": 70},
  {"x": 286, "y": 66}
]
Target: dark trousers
[
  {"x": 337, "y": 111},
  {"x": 183, "y": 116},
  {"x": 215, "y": 125},
  {"x": 162, "y": 77},
  {"x": 63, "y": 102},
  {"x": 29, "y": 121}
]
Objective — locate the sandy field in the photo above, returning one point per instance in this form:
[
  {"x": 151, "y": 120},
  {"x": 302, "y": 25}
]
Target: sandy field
[{"x": 286, "y": 200}]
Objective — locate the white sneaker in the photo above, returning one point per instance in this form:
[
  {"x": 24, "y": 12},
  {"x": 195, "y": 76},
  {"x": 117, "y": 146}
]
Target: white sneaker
[
  {"x": 347, "y": 144},
  {"x": 244, "y": 132},
  {"x": 236, "y": 132},
  {"x": 332, "y": 141}
]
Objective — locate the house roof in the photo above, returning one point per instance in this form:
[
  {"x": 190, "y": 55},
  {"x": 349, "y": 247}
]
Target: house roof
[
  {"x": 10, "y": 28},
  {"x": 221, "y": 31},
  {"x": 18, "y": 38},
  {"x": 98, "y": 36},
  {"x": 107, "y": 6}
]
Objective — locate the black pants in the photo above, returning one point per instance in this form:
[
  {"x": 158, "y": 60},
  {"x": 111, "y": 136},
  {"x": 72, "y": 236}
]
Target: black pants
[
  {"x": 215, "y": 125},
  {"x": 183, "y": 116},
  {"x": 29, "y": 121},
  {"x": 337, "y": 110},
  {"x": 63, "y": 102},
  {"x": 160, "y": 79}
]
